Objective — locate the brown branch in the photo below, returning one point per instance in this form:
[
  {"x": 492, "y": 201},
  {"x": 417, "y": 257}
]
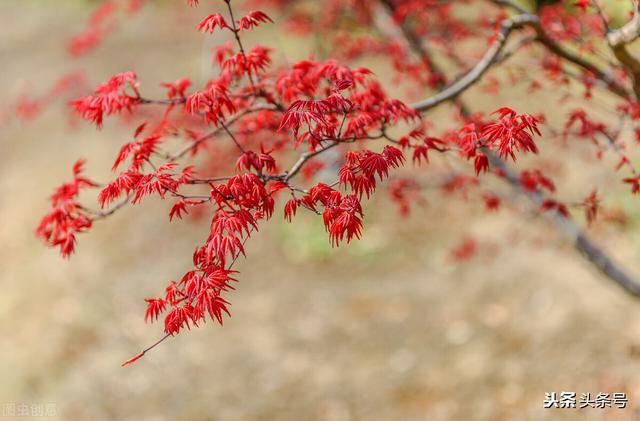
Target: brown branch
[
  {"x": 629, "y": 32},
  {"x": 493, "y": 53},
  {"x": 572, "y": 232},
  {"x": 594, "y": 254},
  {"x": 303, "y": 159},
  {"x": 474, "y": 75},
  {"x": 608, "y": 78},
  {"x": 618, "y": 41},
  {"x": 182, "y": 152}
]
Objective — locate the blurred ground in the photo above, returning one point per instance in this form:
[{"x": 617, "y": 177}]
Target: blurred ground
[{"x": 386, "y": 329}]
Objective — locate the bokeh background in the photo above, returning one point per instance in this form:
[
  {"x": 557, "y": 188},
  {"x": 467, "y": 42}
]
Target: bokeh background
[{"x": 388, "y": 328}]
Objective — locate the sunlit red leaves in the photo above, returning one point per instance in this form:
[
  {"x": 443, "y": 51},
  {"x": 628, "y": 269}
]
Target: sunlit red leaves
[
  {"x": 245, "y": 191},
  {"x": 343, "y": 218},
  {"x": 324, "y": 104},
  {"x": 308, "y": 79},
  {"x": 125, "y": 182},
  {"x": 481, "y": 163},
  {"x": 160, "y": 182},
  {"x": 67, "y": 217},
  {"x": 290, "y": 209},
  {"x": 362, "y": 167},
  {"x": 313, "y": 114},
  {"x": 249, "y": 160},
  {"x": 139, "y": 151},
  {"x": 221, "y": 52},
  {"x": 213, "y": 103},
  {"x": 130, "y": 181},
  {"x": 257, "y": 61},
  {"x": 242, "y": 201},
  {"x": 155, "y": 307},
  {"x": 420, "y": 153},
  {"x": 342, "y": 215},
  {"x": 177, "y": 89},
  {"x": 211, "y": 22},
  {"x": 253, "y": 19},
  {"x": 512, "y": 133},
  {"x": 109, "y": 98},
  {"x": 181, "y": 207}
]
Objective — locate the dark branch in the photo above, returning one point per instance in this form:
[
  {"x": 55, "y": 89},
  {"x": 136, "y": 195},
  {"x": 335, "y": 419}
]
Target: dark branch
[{"x": 579, "y": 239}]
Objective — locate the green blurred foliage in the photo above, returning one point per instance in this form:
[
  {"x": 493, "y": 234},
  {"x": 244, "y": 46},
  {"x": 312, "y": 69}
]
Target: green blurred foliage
[{"x": 617, "y": 10}]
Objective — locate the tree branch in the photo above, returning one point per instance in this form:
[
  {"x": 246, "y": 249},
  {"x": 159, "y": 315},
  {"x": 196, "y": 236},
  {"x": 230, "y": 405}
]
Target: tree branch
[
  {"x": 572, "y": 232},
  {"x": 491, "y": 57},
  {"x": 474, "y": 75},
  {"x": 594, "y": 254},
  {"x": 629, "y": 32},
  {"x": 618, "y": 41}
]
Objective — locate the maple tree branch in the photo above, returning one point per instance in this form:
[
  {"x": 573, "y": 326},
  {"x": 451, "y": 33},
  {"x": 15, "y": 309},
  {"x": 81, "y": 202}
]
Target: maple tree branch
[
  {"x": 580, "y": 240},
  {"x": 618, "y": 40},
  {"x": 182, "y": 152},
  {"x": 144, "y": 351},
  {"x": 105, "y": 213},
  {"x": 412, "y": 39},
  {"x": 303, "y": 159},
  {"x": 474, "y": 75},
  {"x": 159, "y": 341},
  {"x": 492, "y": 56},
  {"x": 231, "y": 135},
  {"x": 629, "y": 32},
  {"x": 236, "y": 34},
  {"x": 607, "y": 77}
]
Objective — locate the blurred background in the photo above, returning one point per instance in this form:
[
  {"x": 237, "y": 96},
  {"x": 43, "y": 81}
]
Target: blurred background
[{"x": 388, "y": 328}]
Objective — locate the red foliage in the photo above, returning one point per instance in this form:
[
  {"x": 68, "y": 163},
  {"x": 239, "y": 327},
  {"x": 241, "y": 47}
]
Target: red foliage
[{"x": 273, "y": 122}]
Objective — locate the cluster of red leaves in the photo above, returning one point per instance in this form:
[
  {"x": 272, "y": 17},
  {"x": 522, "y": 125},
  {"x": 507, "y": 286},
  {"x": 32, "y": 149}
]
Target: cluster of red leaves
[
  {"x": 433, "y": 18},
  {"x": 67, "y": 217},
  {"x": 511, "y": 133},
  {"x": 109, "y": 98},
  {"x": 240, "y": 203},
  {"x": 342, "y": 214},
  {"x": 266, "y": 113},
  {"x": 361, "y": 168}
]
